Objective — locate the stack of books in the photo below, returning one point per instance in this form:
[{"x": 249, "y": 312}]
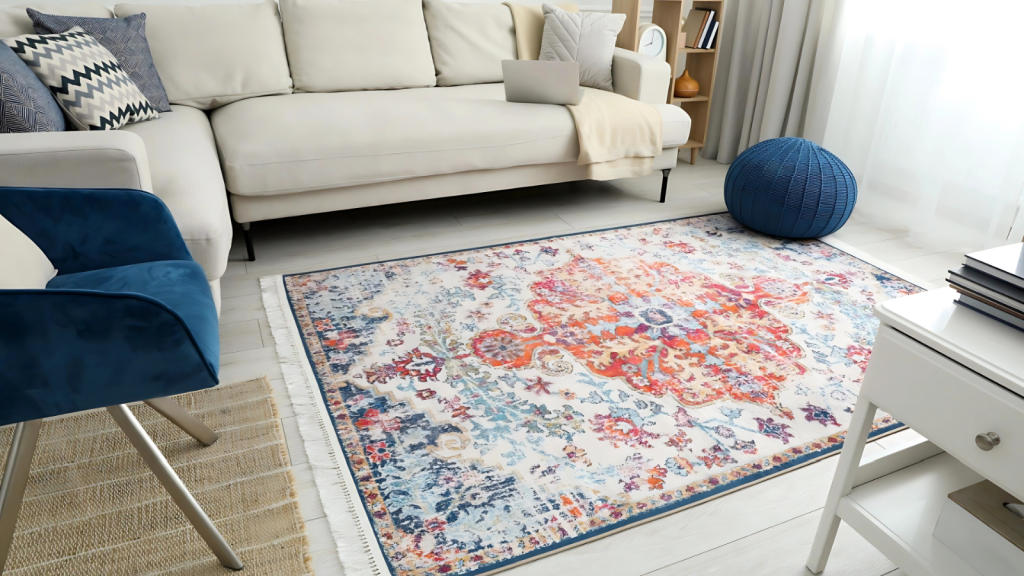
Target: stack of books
[
  {"x": 992, "y": 282},
  {"x": 700, "y": 28}
]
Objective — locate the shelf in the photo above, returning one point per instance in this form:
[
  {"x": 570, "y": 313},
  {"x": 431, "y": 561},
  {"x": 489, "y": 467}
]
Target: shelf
[
  {"x": 697, "y": 98},
  {"x": 897, "y": 513},
  {"x": 686, "y": 50},
  {"x": 692, "y": 144}
]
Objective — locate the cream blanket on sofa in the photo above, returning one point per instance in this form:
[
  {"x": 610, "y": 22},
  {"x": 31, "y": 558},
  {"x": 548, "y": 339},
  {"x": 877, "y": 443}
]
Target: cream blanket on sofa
[{"x": 619, "y": 137}]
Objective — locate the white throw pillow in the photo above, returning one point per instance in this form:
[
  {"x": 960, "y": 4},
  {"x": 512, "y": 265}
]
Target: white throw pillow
[
  {"x": 584, "y": 37},
  {"x": 22, "y": 264},
  {"x": 469, "y": 41},
  {"x": 211, "y": 55},
  {"x": 14, "y": 21},
  {"x": 342, "y": 45}
]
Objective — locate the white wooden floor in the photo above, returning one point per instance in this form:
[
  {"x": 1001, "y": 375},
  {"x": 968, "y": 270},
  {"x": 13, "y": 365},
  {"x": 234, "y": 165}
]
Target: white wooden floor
[{"x": 765, "y": 529}]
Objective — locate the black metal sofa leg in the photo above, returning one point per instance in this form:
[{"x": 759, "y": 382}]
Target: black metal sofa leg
[
  {"x": 664, "y": 183},
  {"x": 250, "y": 252}
]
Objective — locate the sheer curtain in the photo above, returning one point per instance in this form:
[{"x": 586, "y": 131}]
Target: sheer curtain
[
  {"x": 923, "y": 99},
  {"x": 927, "y": 111}
]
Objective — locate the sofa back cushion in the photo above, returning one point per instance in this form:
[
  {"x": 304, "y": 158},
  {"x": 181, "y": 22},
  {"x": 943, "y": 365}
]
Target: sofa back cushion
[
  {"x": 469, "y": 41},
  {"x": 342, "y": 45},
  {"x": 215, "y": 54},
  {"x": 14, "y": 20}
]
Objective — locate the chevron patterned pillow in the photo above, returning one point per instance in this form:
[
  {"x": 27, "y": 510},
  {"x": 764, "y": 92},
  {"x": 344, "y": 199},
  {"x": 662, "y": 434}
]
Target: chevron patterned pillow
[{"x": 88, "y": 83}]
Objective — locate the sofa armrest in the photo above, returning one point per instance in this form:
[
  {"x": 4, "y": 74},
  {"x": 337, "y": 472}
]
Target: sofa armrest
[
  {"x": 75, "y": 160},
  {"x": 640, "y": 77}
]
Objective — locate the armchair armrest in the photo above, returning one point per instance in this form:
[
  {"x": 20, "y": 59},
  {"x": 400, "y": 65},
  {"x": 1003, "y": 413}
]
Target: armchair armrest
[
  {"x": 82, "y": 230},
  {"x": 75, "y": 160},
  {"x": 70, "y": 350},
  {"x": 640, "y": 77}
]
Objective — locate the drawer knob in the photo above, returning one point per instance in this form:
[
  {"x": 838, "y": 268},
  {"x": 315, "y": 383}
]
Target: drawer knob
[{"x": 987, "y": 441}]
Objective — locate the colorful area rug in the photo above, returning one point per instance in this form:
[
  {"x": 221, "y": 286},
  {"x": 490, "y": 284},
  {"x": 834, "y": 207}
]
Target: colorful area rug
[{"x": 469, "y": 411}]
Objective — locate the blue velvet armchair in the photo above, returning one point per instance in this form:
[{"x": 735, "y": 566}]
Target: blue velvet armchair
[{"x": 129, "y": 317}]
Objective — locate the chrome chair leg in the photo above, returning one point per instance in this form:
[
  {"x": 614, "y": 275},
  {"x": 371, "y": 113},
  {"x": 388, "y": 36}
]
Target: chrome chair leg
[
  {"x": 179, "y": 493},
  {"x": 173, "y": 411},
  {"x": 12, "y": 487}
]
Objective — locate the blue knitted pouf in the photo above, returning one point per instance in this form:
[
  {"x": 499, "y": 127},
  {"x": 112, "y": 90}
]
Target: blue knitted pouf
[{"x": 790, "y": 187}]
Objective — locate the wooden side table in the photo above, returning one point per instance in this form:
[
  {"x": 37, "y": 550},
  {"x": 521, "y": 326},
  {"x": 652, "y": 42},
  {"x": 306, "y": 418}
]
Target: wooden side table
[{"x": 957, "y": 378}]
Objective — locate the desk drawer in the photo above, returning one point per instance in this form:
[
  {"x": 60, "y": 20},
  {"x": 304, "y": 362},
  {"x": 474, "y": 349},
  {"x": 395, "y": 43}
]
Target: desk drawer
[{"x": 950, "y": 405}]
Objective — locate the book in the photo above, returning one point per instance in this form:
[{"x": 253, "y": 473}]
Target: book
[
  {"x": 1005, "y": 263},
  {"x": 710, "y": 43},
  {"x": 695, "y": 22},
  {"x": 990, "y": 311},
  {"x": 989, "y": 302},
  {"x": 993, "y": 289},
  {"x": 707, "y": 29}
]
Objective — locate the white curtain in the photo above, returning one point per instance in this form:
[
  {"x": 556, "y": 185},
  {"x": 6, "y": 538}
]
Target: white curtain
[
  {"x": 922, "y": 99},
  {"x": 927, "y": 111}
]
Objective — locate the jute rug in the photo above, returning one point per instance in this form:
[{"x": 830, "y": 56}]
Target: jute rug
[
  {"x": 93, "y": 507},
  {"x": 470, "y": 411}
]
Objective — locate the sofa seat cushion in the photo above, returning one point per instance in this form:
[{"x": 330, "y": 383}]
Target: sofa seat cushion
[
  {"x": 302, "y": 142},
  {"x": 186, "y": 176},
  {"x": 313, "y": 141},
  {"x": 179, "y": 285}
]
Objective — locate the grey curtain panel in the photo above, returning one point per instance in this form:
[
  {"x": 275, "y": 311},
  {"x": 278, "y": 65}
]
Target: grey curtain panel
[{"x": 766, "y": 86}]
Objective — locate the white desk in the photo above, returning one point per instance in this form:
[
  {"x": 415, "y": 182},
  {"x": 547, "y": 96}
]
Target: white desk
[{"x": 951, "y": 374}]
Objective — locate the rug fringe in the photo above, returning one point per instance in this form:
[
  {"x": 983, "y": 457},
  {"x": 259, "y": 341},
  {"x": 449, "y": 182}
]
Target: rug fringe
[{"x": 358, "y": 550}]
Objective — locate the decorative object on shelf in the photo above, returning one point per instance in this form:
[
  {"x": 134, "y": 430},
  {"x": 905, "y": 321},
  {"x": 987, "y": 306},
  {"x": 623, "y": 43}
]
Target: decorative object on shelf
[
  {"x": 790, "y": 187},
  {"x": 699, "y": 31},
  {"x": 686, "y": 87},
  {"x": 653, "y": 41}
]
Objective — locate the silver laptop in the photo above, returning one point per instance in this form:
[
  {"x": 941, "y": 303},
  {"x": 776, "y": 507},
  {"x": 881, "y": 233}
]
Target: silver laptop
[{"x": 542, "y": 82}]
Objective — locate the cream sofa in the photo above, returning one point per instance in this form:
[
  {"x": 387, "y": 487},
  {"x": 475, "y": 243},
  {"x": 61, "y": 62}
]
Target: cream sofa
[{"x": 241, "y": 131}]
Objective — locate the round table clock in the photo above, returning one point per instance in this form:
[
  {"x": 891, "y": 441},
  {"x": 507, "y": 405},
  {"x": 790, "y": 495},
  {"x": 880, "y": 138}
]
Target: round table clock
[{"x": 653, "y": 41}]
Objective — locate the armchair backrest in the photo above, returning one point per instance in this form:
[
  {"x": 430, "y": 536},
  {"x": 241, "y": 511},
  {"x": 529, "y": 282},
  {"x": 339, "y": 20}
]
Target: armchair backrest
[{"x": 81, "y": 229}]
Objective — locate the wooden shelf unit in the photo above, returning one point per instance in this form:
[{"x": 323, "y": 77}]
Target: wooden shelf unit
[{"x": 702, "y": 65}]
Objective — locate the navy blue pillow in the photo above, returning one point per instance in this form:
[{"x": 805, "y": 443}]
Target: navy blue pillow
[
  {"x": 26, "y": 104},
  {"x": 126, "y": 40}
]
